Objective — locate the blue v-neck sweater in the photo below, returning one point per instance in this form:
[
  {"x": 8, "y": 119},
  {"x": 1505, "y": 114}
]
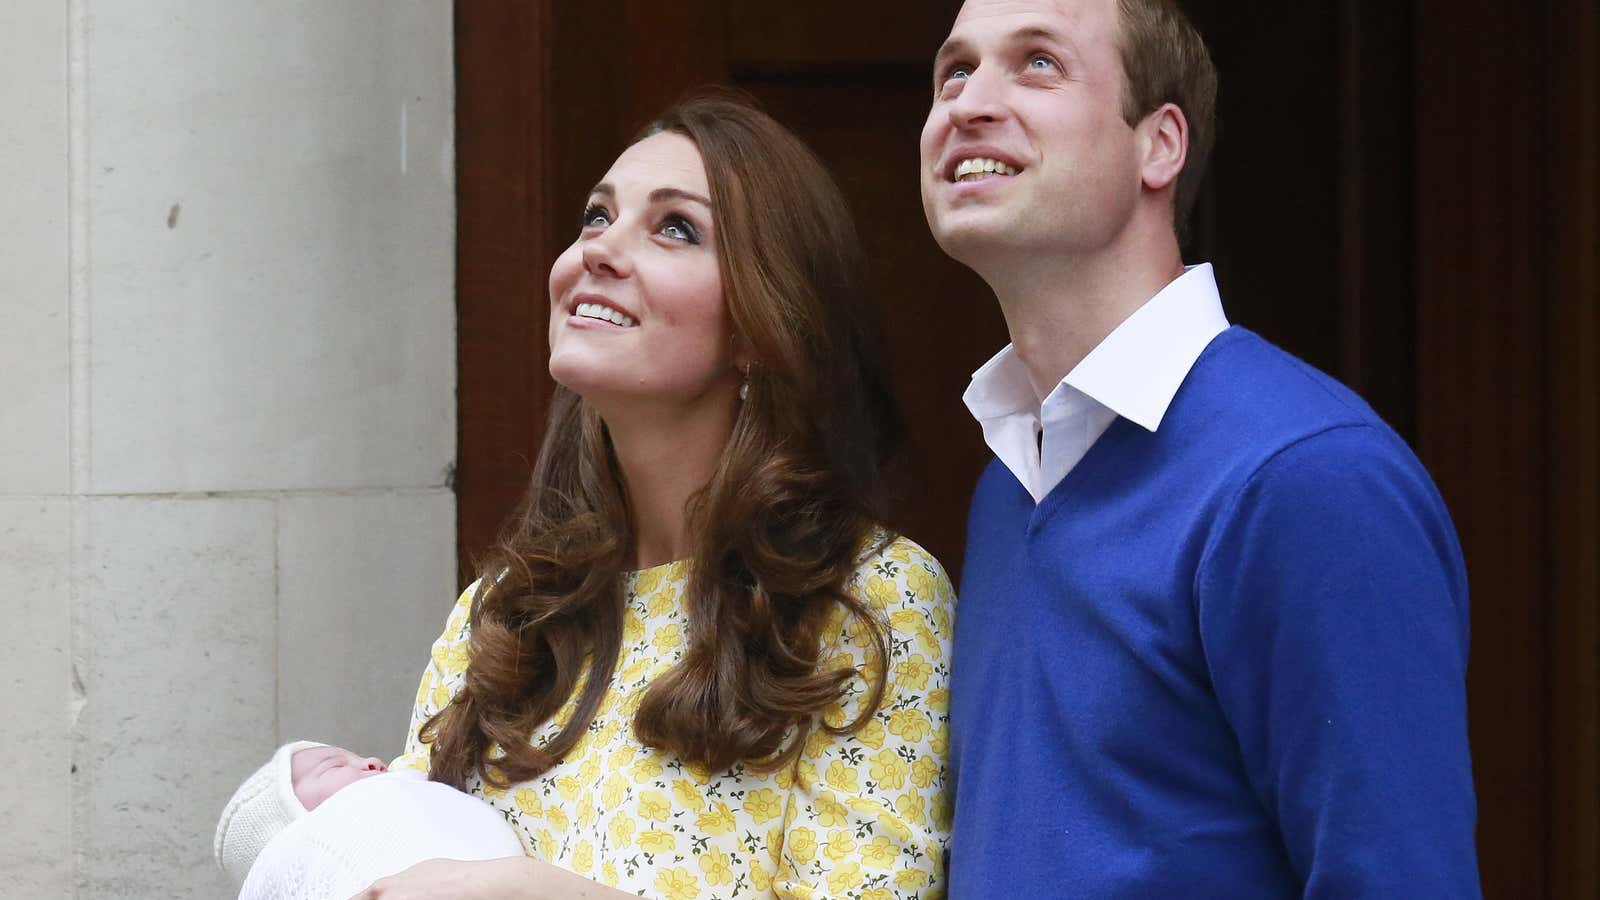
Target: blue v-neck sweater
[{"x": 1223, "y": 659}]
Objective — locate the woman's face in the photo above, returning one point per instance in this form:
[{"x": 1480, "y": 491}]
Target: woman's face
[{"x": 636, "y": 306}]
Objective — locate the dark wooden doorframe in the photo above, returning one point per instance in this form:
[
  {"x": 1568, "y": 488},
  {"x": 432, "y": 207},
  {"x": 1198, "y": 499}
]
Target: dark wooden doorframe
[{"x": 1488, "y": 361}]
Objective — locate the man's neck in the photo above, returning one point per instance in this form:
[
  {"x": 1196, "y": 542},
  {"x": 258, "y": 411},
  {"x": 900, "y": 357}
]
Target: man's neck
[{"x": 1059, "y": 307}]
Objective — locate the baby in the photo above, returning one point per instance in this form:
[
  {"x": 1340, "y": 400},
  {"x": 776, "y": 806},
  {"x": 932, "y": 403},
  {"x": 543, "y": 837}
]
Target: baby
[{"x": 319, "y": 821}]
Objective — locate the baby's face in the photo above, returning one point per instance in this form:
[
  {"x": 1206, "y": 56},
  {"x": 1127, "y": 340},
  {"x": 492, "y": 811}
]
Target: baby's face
[{"x": 317, "y": 772}]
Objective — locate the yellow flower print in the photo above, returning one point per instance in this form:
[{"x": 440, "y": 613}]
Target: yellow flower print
[
  {"x": 621, "y": 756},
  {"x": 905, "y": 621},
  {"x": 687, "y": 795},
  {"x": 547, "y": 844},
  {"x": 583, "y": 858},
  {"x": 677, "y": 884},
  {"x": 805, "y": 775},
  {"x": 939, "y": 700},
  {"x": 621, "y": 831},
  {"x": 910, "y": 879},
  {"x": 698, "y": 772},
  {"x": 662, "y": 602},
  {"x": 877, "y": 893},
  {"x": 911, "y": 724},
  {"x": 830, "y": 812},
  {"x": 491, "y": 791},
  {"x": 425, "y": 687},
  {"x": 910, "y": 808},
  {"x": 668, "y": 639},
  {"x": 833, "y": 716},
  {"x": 527, "y": 800},
  {"x": 586, "y": 810},
  {"x": 881, "y": 592},
  {"x": 611, "y": 795},
  {"x": 714, "y": 864},
  {"x": 871, "y": 734},
  {"x": 817, "y": 743},
  {"x": 923, "y": 771},
  {"x": 760, "y": 878},
  {"x": 717, "y": 820},
  {"x": 608, "y": 874},
  {"x": 941, "y": 619},
  {"x": 557, "y": 817},
  {"x": 634, "y": 672},
  {"x": 920, "y": 581},
  {"x": 647, "y": 768},
  {"x": 654, "y": 840},
  {"x": 913, "y": 672},
  {"x": 648, "y": 580},
  {"x": 942, "y": 810},
  {"x": 441, "y": 696},
  {"x": 589, "y": 770},
  {"x": 763, "y": 805},
  {"x": 840, "y": 846},
  {"x": 846, "y": 877},
  {"x": 655, "y": 806},
  {"x": 888, "y": 769},
  {"x": 632, "y": 627},
  {"x": 802, "y": 844},
  {"x": 927, "y": 639},
  {"x": 940, "y": 743},
  {"x": 775, "y": 844},
  {"x": 880, "y": 853},
  {"x": 843, "y": 778},
  {"x": 900, "y": 551},
  {"x": 567, "y": 787},
  {"x": 457, "y": 657}
]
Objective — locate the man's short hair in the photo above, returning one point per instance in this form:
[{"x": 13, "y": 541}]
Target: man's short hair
[{"x": 1164, "y": 60}]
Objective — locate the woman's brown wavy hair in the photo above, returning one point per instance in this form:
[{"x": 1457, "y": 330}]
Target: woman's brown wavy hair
[{"x": 776, "y": 532}]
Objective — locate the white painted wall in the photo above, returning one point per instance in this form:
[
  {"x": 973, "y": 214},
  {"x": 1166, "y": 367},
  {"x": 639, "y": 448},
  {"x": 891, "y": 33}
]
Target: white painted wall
[{"x": 227, "y": 412}]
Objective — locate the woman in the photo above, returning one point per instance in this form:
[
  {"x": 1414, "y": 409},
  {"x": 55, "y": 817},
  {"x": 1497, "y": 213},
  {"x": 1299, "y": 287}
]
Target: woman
[{"x": 696, "y": 666}]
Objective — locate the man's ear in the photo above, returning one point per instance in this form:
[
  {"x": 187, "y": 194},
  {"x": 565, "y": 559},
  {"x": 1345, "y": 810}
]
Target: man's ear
[{"x": 1163, "y": 146}]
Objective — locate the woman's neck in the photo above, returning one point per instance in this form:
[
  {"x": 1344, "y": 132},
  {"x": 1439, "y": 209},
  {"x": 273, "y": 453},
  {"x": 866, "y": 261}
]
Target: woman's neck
[{"x": 666, "y": 458}]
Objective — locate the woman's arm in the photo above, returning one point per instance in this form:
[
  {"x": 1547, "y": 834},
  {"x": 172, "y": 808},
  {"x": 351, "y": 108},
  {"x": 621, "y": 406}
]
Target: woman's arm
[
  {"x": 511, "y": 878},
  {"x": 867, "y": 814}
]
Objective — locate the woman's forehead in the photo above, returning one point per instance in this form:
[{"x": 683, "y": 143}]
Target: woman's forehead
[{"x": 665, "y": 159}]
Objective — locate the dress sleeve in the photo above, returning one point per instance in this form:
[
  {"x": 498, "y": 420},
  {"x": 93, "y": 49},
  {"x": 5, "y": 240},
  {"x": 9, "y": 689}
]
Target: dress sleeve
[
  {"x": 867, "y": 815},
  {"x": 441, "y": 678}
]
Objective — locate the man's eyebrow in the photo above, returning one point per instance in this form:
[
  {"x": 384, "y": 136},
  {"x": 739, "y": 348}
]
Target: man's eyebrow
[
  {"x": 656, "y": 196},
  {"x": 952, "y": 47},
  {"x": 959, "y": 47}
]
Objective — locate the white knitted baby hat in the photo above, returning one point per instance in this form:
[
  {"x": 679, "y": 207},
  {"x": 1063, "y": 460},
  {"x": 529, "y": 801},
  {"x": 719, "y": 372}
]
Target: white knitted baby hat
[{"x": 263, "y": 806}]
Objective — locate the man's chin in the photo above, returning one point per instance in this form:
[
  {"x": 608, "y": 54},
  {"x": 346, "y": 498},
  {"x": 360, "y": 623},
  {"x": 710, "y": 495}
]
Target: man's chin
[{"x": 970, "y": 240}]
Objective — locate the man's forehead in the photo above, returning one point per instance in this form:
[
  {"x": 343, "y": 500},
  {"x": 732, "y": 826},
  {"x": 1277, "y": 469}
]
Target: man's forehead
[{"x": 1029, "y": 13}]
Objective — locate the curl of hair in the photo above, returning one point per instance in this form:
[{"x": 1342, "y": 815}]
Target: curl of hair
[{"x": 777, "y": 531}]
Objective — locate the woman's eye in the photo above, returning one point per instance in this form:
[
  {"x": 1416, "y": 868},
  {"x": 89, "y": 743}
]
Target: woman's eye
[
  {"x": 679, "y": 229},
  {"x": 594, "y": 217}
]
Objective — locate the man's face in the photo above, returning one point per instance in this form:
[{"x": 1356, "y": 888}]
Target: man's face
[{"x": 1029, "y": 92}]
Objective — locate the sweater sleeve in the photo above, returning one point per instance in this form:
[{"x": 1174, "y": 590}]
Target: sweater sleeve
[
  {"x": 441, "y": 679},
  {"x": 1333, "y": 611},
  {"x": 866, "y": 814}
]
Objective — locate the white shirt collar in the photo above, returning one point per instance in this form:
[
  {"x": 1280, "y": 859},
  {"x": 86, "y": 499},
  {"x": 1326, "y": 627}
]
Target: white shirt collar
[{"x": 1134, "y": 373}]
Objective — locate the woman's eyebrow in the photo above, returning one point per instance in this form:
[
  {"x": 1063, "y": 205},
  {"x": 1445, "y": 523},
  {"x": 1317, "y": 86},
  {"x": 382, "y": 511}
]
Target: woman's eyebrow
[{"x": 656, "y": 196}]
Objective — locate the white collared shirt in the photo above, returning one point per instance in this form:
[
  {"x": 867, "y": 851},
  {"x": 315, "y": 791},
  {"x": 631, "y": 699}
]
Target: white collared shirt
[{"x": 1133, "y": 373}]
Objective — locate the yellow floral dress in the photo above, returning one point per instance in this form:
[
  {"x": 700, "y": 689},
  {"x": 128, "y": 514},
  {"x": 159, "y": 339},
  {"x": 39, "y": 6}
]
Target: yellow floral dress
[{"x": 864, "y": 816}]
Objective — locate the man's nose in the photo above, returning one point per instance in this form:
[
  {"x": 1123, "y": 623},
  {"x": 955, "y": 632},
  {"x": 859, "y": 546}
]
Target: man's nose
[{"x": 980, "y": 100}]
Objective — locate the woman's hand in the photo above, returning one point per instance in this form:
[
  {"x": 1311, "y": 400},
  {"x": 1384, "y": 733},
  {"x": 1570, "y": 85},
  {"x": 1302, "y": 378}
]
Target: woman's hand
[{"x": 452, "y": 879}]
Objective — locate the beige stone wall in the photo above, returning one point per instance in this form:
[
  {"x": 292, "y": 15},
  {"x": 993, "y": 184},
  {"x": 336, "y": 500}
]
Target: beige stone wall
[{"x": 227, "y": 410}]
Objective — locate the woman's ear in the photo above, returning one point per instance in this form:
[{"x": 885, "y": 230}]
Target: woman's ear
[{"x": 1163, "y": 138}]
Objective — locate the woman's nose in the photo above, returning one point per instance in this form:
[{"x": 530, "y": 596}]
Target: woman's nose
[{"x": 600, "y": 257}]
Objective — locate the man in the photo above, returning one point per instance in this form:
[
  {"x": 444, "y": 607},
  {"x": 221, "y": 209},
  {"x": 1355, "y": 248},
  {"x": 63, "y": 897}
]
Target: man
[{"x": 1213, "y": 625}]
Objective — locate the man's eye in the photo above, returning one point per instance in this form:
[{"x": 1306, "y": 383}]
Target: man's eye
[
  {"x": 1041, "y": 63},
  {"x": 955, "y": 73},
  {"x": 594, "y": 217}
]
